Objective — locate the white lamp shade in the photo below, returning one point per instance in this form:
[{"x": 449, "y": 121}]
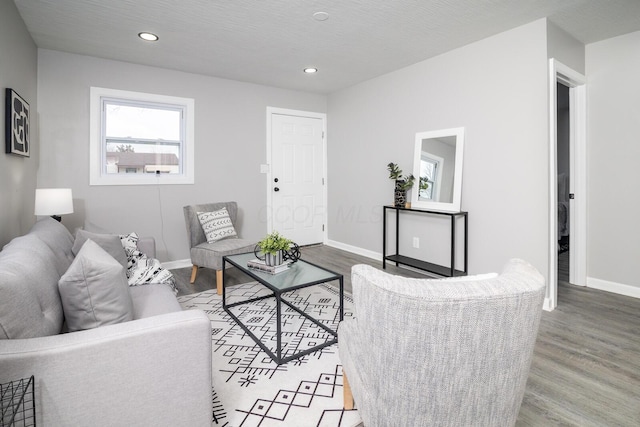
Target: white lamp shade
[{"x": 53, "y": 201}]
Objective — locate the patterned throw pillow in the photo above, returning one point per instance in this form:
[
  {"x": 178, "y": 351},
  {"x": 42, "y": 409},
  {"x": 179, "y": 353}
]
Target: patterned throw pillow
[{"x": 216, "y": 225}]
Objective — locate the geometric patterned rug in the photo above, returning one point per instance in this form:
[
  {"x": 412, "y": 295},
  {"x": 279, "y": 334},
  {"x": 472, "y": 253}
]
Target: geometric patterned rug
[{"x": 251, "y": 390}]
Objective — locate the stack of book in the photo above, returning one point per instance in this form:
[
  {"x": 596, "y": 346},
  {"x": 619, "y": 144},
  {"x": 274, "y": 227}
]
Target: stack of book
[{"x": 258, "y": 264}]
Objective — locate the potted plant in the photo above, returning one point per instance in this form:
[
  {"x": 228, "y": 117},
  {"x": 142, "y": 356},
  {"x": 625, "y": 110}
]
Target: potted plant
[
  {"x": 403, "y": 183},
  {"x": 273, "y": 246}
]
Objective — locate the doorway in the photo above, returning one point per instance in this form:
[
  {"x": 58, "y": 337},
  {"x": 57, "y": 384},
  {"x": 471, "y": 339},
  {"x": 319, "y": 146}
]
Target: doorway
[
  {"x": 296, "y": 185},
  {"x": 574, "y": 186},
  {"x": 563, "y": 155}
]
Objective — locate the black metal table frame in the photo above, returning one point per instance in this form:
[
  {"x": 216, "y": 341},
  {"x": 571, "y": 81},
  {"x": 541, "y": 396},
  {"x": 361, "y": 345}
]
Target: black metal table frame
[
  {"x": 277, "y": 294},
  {"x": 423, "y": 265}
]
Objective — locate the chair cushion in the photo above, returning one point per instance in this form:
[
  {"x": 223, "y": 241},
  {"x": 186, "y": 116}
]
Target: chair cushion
[
  {"x": 94, "y": 290},
  {"x": 216, "y": 225},
  {"x": 210, "y": 255},
  {"x": 109, "y": 242}
]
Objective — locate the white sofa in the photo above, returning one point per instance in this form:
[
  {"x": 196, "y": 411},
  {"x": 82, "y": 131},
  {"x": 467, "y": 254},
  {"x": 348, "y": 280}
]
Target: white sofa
[{"x": 154, "y": 370}]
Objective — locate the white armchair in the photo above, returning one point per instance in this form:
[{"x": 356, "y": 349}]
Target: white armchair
[{"x": 449, "y": 352}]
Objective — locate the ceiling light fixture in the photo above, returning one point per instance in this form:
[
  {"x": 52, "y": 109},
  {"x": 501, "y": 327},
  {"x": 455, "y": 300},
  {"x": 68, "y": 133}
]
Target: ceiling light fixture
[
  {"x": 150, "y": 37},
  {"x": 321, "y": 16},
  {"x": 310, "y": 70}
]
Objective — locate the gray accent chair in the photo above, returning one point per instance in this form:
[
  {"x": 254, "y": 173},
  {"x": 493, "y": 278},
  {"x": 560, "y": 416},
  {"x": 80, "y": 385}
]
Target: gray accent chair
[
  {"x": 448, "y": 352},
  {"x": 209, "y": 255}
]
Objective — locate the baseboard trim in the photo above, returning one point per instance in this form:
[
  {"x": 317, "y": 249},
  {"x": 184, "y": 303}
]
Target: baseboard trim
[
  {"x": 354, "y": 249},
  {"x": 181, "y": 263},
  {"x": 616, "y": 288}
]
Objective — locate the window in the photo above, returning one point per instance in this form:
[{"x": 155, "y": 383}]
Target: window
[
  {"x": 430, "y": 176},
  {"x": 140, "y": 138}
]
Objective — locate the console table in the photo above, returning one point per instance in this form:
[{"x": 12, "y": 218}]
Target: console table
[{"x": 419, "y": 264}]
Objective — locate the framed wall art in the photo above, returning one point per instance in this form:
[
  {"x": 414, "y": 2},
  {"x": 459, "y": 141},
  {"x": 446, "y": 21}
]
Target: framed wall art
[{"x": 17, "y": 124}]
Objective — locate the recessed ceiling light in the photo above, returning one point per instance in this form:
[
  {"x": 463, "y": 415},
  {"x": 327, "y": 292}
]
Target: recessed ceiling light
[
  {"x": 150, "y": 37},
  {"x": 321, "y": 16},
  {"x": 310, "y": 70}
]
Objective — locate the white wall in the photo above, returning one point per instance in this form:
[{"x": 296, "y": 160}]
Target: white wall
[
  {"x": 613, "y": 111},
  {"x": 18, "y": 71},
  {"x": 495, "y": 88},
  {"x": 230, "y": 138},
  {"x": 564, "y": 48}
]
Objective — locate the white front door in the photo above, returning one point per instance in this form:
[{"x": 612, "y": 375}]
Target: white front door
[{"x": 296, "y": 184}]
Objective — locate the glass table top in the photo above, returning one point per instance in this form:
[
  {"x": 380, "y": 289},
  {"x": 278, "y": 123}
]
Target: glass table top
[{"x": 299, "y": 274}]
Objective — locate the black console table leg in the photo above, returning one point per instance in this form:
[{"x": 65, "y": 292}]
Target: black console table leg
[
  {"x": 397, "y": 234},
  {"x": 384, "y": 238},
  {"x": 466, "y": 243},
  {"x": 453, "y": 245}
]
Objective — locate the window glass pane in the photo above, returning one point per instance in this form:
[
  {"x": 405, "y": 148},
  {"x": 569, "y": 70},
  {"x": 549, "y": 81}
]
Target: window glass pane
[
  {"x": 427, "y": 177},
  {"x": 142, "y": 138},
  {"x": 142, "y": 122}
]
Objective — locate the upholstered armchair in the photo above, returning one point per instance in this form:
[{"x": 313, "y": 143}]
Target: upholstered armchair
[
  {"x": 449, "y": 352},
  {"x": 209, "y": 254}
]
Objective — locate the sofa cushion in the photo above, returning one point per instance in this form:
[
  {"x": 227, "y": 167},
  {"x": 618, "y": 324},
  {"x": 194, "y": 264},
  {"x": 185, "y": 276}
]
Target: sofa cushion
[
  {"x": 109, "y": 242},
  {"x": 152, "y": 300},
  {"x": 58, "y": 238},
  {"x": 94, "y": 291},
  {"x": 29, "y": 301}
]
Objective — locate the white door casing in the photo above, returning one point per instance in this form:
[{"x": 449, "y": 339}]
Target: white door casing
[
  {"x": 296, "y": 185},
  {"x": 560, "y": 73}
]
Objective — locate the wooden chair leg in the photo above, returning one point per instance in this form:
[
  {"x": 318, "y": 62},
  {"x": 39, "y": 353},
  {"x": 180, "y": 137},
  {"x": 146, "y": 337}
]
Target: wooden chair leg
[
  {"x": 219, "y": 281},
  {"x": 346, "y": 390},
  {"x": 194, "y": 272}
]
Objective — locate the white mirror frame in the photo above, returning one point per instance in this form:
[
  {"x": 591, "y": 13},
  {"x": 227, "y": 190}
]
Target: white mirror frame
[{"x": 454, "y": 206}]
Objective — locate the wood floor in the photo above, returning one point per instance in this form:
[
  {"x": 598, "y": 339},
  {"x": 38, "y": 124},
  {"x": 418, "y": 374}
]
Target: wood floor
[{"x": 586, "y": 365}]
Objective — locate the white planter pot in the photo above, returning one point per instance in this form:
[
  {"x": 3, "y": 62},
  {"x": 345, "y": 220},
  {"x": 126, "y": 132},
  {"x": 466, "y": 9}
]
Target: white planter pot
[{"x": 273, "y": 260}]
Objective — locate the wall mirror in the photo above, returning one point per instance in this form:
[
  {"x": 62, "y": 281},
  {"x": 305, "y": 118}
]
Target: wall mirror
[{"x": 437, "y": 166}]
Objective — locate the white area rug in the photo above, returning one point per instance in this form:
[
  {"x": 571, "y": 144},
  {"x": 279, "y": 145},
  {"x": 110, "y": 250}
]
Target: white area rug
[{"x": 249, "y": 389}]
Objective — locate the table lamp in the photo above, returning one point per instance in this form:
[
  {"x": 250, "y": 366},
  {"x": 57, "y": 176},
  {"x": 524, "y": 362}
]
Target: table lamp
[{"x": 54, "y": 202}]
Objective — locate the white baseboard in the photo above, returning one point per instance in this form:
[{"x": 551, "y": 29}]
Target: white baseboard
[
  {"x": 616, "y": 288},
  {"x": 354, "y": 249},
  {"x": 181, "y": 263}
]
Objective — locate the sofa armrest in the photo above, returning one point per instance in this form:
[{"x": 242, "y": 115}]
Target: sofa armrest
[{"x": 154, "y": 371}]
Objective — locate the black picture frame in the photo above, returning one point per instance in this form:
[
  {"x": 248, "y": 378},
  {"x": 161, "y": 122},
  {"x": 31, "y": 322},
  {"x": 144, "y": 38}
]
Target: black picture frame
[{"x": 17, "y": 128}]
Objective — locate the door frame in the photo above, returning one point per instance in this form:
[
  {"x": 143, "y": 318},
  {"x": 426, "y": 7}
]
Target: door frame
[
  {"x": 297, "y": 113},
  {"x": 560, "y": 73}
]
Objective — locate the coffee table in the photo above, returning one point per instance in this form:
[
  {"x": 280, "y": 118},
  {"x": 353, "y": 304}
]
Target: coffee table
[{"x": 301, "y": 274}]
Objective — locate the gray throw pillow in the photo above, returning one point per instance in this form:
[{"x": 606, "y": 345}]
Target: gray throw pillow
[
  {"x": 94, "y": 290},
  {"x": 109, "y": 242}
]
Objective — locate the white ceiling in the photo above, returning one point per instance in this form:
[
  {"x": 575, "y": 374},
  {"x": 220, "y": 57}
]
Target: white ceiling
[{"x": 269, "y": 42}]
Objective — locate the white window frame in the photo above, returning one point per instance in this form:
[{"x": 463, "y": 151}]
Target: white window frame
[{"x": 97, "y": 150}]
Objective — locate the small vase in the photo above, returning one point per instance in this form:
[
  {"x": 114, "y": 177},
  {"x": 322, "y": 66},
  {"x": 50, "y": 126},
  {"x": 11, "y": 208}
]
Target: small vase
[
  {"x": 399, "y": 195},
  {"x": 273, "y": 260}
]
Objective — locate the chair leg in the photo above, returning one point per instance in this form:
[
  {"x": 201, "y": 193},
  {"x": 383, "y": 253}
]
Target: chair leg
[
  {"x": 346, "y": 390},
  {"x": 194, "y": 272},
  {"x": 219, "y": 281}
]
